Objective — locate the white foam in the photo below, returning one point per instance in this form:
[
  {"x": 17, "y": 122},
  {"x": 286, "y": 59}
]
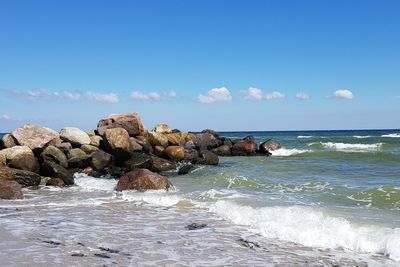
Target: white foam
[
  {"x": 89, "y": 183},
  {"x": 362, "y": 136},
  {"x": 352, "y": 147},
  {"x": 285, "y": 152},
  {"x": 311, "y": 227},
  {"x": 305, "y": 136},
  {"x": 159, "y": 198},
  {"x": 394, "y": 135}
]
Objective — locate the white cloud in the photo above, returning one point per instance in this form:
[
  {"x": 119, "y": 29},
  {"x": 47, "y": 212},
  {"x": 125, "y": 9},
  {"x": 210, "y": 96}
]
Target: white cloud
[
  {"x": 253, "y": 94},
  {"x": 99, "y": 97},
  {"x": 75, "y": 96},
  {"x": 155, "y": 96},
  {"x": 275, "y": 95},
  {"x": 5, "y": 117},
  {"x": 302, "y": 96},
  {"x": 44, "y": 94},
  {"x": 215, "y": 95},
  {"x": 345, "y": 94}
]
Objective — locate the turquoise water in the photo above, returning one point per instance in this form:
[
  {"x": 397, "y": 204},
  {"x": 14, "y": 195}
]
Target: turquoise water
[{"x": 326, "y": 197}]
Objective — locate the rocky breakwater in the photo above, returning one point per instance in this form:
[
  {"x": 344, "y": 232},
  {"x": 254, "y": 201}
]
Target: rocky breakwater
[{"x": 121, "y": 146}]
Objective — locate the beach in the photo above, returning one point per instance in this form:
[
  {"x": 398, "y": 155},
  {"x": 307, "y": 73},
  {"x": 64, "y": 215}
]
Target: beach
[{"x": 325, "y": 199}]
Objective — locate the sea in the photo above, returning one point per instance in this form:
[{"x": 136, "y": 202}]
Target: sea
[{"x": 327, "y": 198}]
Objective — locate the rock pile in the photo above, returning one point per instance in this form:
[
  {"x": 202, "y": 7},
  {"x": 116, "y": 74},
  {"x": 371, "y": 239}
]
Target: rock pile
[{"x": 120, "y": 146}]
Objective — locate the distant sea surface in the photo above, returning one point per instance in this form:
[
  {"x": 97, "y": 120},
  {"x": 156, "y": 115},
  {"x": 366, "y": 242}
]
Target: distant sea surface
[{"x": 325, "y": 198}]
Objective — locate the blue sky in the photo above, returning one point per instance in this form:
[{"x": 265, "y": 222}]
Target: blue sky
[{"x": 226, "y": 65}]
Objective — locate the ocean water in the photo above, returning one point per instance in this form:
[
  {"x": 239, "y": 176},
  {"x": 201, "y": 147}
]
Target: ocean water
[{"x": 328, "y": 198}]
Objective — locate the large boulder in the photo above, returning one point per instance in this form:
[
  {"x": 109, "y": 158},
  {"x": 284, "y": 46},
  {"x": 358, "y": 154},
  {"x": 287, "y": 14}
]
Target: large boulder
[
  {"x": 117, "y": 143},
  {"x": 27, "y": 162},
  {"x": 207, "y": 158},
  {"x": 54, "y": 170},
  {"x": 268, "y": 146},
  {"x": 223, "y": 150},
  {"x": 10, "y": 190},
  {"x": 130, "y": 122},
  {"x": 7, "y": 141},
  {"x": 179, "y": 139},
  {"x": 53, "y": 154},
  {"x": 212, "y": 132},
  {"x": 175, "y": 153},
  {"x": 74, "y": 136},
  {"x": 138, "y": 160},
  {"x": 12, "y": 152},
  {"x": 24, "y": 178},
  {"x": 158, "y": 139},
  {"x": 245, "y": 147},
  {"x": 100, "y": 160},
  {"x": 33, "y": 136},
  {"x": 75, "y": 153},
  {"x": 162, "y": 128},
  {"x": 162, "y": 165},
  {"x": 207, "y": 141},
  {"x": 142, "y": 179}
]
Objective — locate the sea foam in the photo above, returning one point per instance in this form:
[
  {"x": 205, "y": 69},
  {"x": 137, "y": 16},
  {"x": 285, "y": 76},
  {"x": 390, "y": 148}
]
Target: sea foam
[
  {"x": 304, "y": 136},
  {"x": 351, "y": 147},
  {"x": 285, "y": 152},
  {"x": 311, "y": 227},
  {"x": 394, "y": 135}
]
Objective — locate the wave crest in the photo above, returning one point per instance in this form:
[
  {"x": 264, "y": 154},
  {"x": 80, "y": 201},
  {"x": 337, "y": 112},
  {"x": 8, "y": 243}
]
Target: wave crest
[{"x": 285, "y": 152}]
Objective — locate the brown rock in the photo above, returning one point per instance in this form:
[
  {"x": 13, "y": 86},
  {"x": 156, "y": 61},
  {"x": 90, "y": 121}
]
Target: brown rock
[
  {"x": 34, "y": 136},
  {"x": 3, "y": 160},
  {"x": 96, "y": 141},
  {"x": 75, "y": 153},
  {"x": 212, "y": 132},
  {"x": 79, "y": 162},
  {"x": 64, "y": 147},
  {"x": 12, "y": 152},
  {"x": 138, "y": 160},
  {"x": 158, "y": 139},
  {"x": 24, "y": 178},
  {"x": 130, "y": 122},
  {"x": 10, "y": 190},
  {"x": 244, "y": 148},
  {"x": 179, "y": 139},
  {"x": 159, "y": 150},
  {"x": 27, "y": 162},
  {"x": 175, "y": 153},
  {"x": 135, "y": 146},
  {"x": 55, "y": 182},
  {"x": 142, "y": 179},
  {"x": 207, "y": 141},
  {"x": 162, "y": 128},
  {"x": 117, "y": 143}
]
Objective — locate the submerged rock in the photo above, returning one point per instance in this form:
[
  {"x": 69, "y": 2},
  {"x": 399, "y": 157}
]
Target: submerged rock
[
  {"x": 54, "y": 170},
  {"x": 195, "y": 226},
  {"x": 24, "y": 178},
  {"x": 185, "y": 169},
  {"x": 245, "y": 147},
  {"x": 74, "y": 136},
  {"x": 10, "y": 190},
  {"x": 142, "y": 179},
  {"x": 33, "y": 136},
  {"x": 268, "y": 146}
]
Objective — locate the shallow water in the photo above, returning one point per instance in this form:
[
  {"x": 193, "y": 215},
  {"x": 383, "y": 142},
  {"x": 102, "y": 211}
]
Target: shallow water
[{"x": 326, "y": 198}]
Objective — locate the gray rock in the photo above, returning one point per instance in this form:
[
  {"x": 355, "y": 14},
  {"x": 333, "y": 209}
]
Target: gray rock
[
  {"x": 100, "y": 160},
  {"x": 268, "y": 146},
  {"x": 27, "y": 162},
  {"x": 162, "y": 165},
  {"x": 89, "y": 149},
  {"x": 7, "y": 141},
  {"x": 207, "y": 158},
  {"x": 74, "y": 136},
  {"x": 10, "y": 190},
  {"x": 75, "y": 153},
  {"x": 223, "y": 150},
  {"x": 53, "y": 154},
  {"x": 135, "y": 146},
  {"x": 207, "y": 141},
  {"x": 33, "y": 136},
  {"x": 138, "y": 160},
  {"x": 79, "y": 161},
  {"x": 54, "y": 170}
]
